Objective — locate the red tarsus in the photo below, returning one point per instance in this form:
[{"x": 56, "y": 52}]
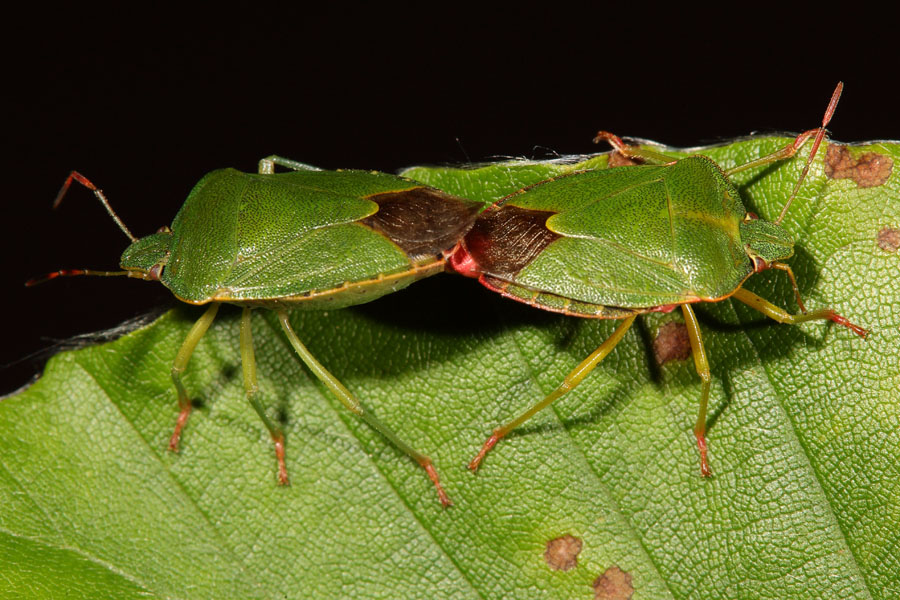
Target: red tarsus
[
  {"x": 490, "y": 443},
  {"x": 432, "y": 474},
  {"x": 843, "y": 321},
  {"x": 179, "y": 425},
  {"x": 279, "y": 454},
  {"x": 613, "y": 140},
  {"x": 704, "y": 464}
]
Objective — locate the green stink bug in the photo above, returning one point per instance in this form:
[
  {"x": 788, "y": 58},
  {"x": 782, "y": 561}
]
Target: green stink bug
[
  {"x": 615, "y": 243},
  {"x": 306, "y": 239}
]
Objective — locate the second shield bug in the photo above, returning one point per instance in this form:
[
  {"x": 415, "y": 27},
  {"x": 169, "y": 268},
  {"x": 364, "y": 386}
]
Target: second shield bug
[{"x": 616, "y": 243}]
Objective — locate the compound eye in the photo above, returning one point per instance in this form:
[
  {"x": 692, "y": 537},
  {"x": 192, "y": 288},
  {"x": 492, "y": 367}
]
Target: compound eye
[
  {"x": 758, "y": 263},
  {"x": 750, "y": 216}
]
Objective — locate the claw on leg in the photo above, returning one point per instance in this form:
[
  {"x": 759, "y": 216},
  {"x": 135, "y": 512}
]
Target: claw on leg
[
  {"x": 490, "y": 443},
  {"x": 432, "y": 474},
  {"x": 179, "y": 426},
  {"x": 704, "y": 464},
  {"x": 279, "y": 455}
]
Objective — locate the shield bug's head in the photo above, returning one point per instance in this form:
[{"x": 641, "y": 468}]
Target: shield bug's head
[
  {"x": 765, "y": 242},
  {"x": 143, "y": 259},
  {"x": 146, "y": 257}
]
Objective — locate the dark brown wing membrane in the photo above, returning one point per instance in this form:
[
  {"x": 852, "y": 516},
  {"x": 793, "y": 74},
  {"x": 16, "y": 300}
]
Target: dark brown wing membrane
[
  {"x": 422, "y": 221},
  {"x": 505, "y": 239}
]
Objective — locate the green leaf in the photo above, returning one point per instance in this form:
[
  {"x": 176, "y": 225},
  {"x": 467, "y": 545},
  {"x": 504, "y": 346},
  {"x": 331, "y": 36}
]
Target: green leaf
[{"x": 804, "y": 437}]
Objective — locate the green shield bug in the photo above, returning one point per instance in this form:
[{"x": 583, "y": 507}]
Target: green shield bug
[
  {"x": 615, "y": 243},
  {"x": 303, "y": 239}
]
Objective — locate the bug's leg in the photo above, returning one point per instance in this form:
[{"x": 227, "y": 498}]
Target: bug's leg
[
  {"x": 790, "y": 274},
  {"x": 248, "y": 364},
  {"x": 267, "y": 165},
  {"x": 354, "y": 406},
  {"x": 783, "y": 316},
  {"x": 792, "y": 148},
  {"x": 650, "y": 156},
  {"x": 181, "y": 361},
  {"x": 702, "y": 366},
  {"x": 784, "y": 153},
  {"x": 570, "y": 382}
]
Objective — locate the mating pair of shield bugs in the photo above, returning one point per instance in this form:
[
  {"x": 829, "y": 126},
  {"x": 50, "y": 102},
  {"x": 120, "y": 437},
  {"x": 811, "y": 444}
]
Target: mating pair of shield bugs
[{"x": 605, "y": 244}]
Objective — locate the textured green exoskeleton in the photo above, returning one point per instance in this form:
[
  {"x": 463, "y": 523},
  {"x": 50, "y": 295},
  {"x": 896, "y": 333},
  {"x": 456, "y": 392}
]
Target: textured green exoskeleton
[
  {"x": 305, "y": 239},
  {"x": 615, "y": 243}
]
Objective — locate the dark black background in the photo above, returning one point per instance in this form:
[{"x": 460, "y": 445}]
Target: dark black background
[{"x": 145, "y": 103}]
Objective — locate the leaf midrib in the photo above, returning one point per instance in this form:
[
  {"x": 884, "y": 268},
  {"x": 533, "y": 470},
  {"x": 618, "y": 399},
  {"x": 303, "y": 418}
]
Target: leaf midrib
[
  {"x": 807, "y": 456},
  {"x": 609, "y": 499},
  {"x": 189, "y": 500},
  {"x": 80, "y": 552}
]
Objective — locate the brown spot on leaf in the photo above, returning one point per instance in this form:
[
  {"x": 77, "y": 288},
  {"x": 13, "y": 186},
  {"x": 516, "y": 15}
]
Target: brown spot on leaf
[
  {"x": 869, "y": 170},
  {"x": 614, "y": 584},
  {"x": 562, "y": 553},
  {"x": 889, "y": 239},
  {"x": 672, "y": 343}
]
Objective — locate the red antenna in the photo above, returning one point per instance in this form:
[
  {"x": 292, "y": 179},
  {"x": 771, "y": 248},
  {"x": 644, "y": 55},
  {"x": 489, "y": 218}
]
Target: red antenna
[
  {"x": 76, "y": 176},
  {"x": 801, "y": 139}
]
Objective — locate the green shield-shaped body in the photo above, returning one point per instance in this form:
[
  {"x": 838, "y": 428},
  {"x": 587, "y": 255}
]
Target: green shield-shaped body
[
  {"x": 304, "y": 239},
  {"x": 634, "y": 238}
]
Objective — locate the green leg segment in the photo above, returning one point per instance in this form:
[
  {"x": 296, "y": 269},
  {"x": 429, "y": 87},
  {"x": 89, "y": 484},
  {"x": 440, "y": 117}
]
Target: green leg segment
[
  {"x": 702, "y": 366},
  {"x": 354, "y": 406},
  {"x": 782, "y": 316},
  {"x": 248, "y": 364},
  {"x": 267, "y": 165},
  {"x": 792, "y": 148},
  {"x": 768, "y": 309},
  {"x": 790, "y": 274},
  {"x": 181, "y": 361},
  {"x": 782, "y": 154},
  {"x": 570, "y": 382}
]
